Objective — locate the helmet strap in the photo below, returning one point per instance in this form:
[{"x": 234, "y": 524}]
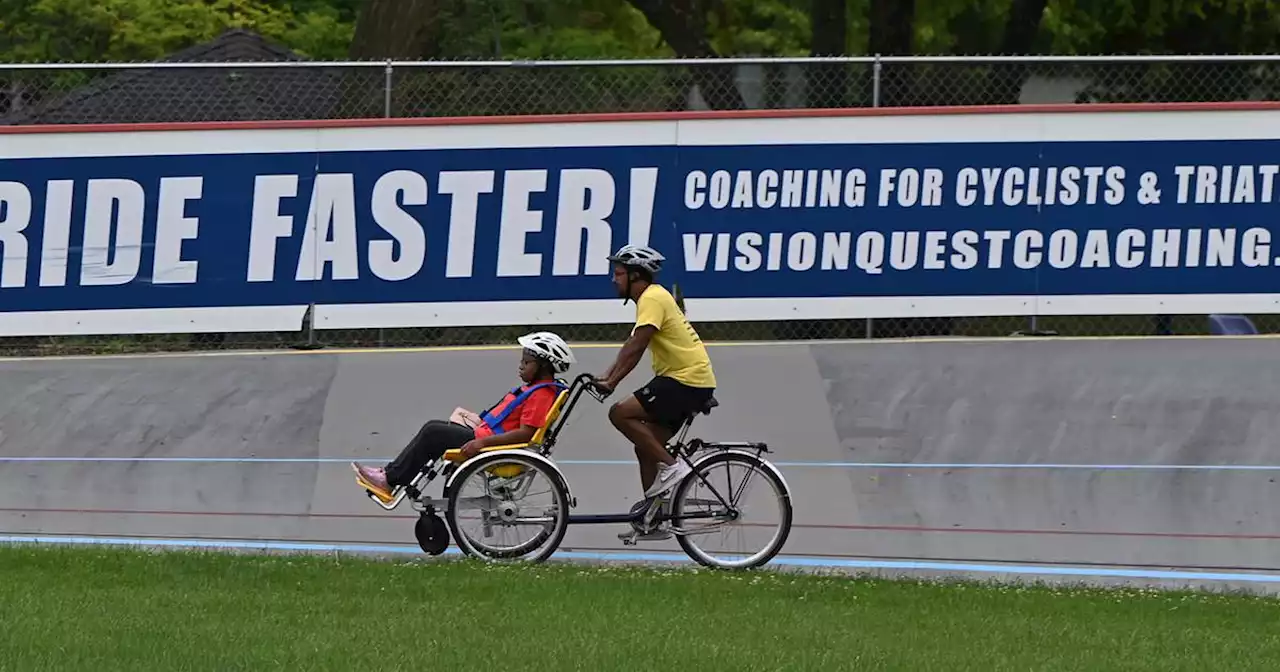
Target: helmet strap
[{"x": 630, "y": 273}]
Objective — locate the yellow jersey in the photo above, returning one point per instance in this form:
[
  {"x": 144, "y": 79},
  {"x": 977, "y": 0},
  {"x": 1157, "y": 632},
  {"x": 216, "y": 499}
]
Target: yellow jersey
[{"x": 677, "y": 351}]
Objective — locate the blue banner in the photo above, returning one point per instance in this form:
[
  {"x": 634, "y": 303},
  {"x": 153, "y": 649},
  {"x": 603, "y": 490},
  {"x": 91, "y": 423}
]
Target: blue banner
[
  {"x": 884, "y": 226},
  {"x": 989, "y": 219},
  {"x": 350, "y": 227}
]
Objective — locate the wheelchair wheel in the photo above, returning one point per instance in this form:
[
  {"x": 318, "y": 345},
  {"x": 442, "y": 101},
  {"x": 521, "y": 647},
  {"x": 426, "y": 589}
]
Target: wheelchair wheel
[
  {"x": 432, "y": 533},
  {"x": 508, "y": 507},
  {"x": 732, "y": 476}
]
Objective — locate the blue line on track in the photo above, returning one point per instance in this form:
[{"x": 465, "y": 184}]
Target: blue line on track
[
  {"x": 785, "y": 561},
  {"x": 631, "y": 463}
]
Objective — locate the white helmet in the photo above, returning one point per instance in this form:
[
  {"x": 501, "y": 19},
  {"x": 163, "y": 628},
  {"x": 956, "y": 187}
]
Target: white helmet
[
  {"x": 550, "y": 347},
  {"x": 639, "y": 256}
]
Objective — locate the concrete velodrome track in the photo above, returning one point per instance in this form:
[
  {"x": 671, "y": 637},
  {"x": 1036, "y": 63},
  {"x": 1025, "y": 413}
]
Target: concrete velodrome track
[{"x": 1100, "y": 460}]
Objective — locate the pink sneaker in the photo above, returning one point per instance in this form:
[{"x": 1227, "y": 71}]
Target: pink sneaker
[{"x": 374, "y": 477}]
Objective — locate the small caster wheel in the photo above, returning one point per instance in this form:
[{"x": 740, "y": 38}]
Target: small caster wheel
[{"x": 432, "y": 533}]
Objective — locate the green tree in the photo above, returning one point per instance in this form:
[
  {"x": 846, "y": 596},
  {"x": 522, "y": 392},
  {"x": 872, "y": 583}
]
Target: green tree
[
  {"x": 510, "y": 29},
  {"x": 503, "y": 29},
  {"x": 145, "y": 30},
  {"x": 1169, "y": 27}
]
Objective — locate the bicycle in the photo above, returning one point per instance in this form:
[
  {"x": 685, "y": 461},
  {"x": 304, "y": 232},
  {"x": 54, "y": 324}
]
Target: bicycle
[{"x": 506, "y": 472}]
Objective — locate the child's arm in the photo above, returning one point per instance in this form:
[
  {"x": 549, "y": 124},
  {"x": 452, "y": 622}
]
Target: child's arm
[{"x": 521, "y": 435}]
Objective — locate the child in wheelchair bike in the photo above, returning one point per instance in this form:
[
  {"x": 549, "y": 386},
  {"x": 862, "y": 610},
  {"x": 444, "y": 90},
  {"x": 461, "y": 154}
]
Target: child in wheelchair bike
[{"x": 514, "y": 419}]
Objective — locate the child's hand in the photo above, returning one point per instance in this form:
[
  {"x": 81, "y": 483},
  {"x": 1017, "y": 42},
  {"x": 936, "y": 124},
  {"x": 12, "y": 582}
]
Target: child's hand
[{"x": 470, "y": 449}]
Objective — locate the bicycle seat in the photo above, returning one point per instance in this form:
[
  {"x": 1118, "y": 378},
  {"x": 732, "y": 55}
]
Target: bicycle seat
[{"x": 711, "y": 403}]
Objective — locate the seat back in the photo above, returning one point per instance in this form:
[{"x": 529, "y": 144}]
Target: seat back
[
  {"x": 552, "y": 415},
  {"x": 513, "y": 470}
]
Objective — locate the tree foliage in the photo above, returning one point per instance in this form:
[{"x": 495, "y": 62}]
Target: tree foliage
[
  {"x": 142, "y": 30},
  {"x": 145, "y": 30},
  {"x": 102, "y": 30}
]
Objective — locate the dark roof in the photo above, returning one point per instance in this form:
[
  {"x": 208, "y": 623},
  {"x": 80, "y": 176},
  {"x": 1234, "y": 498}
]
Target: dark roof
[
  {"x": 234, "y": 45},
  {"x": 154, "y": 95}
]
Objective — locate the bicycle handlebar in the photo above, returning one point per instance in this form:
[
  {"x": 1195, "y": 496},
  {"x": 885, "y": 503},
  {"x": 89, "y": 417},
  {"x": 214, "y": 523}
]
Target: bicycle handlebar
[{"x": 593, "y": 388}]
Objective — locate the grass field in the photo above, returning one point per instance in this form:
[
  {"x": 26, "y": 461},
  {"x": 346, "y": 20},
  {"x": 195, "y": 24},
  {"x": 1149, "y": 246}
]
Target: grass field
[{"x": 98, "y": 608}]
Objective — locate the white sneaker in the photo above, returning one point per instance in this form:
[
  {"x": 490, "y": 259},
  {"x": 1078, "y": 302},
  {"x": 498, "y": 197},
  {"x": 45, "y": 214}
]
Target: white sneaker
[{"x": 668, "y": 477}]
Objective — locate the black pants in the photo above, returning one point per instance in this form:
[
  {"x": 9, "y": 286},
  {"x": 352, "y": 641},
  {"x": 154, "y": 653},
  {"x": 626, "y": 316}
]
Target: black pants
[{"x": 431, "y": 441}]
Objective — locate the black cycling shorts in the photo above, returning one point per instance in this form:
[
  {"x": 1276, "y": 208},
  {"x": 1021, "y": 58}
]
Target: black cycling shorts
[{"x": 669, "y": 402}]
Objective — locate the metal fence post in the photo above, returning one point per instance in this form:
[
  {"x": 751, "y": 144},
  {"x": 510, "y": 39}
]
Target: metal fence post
[
  {"x": 875, "y": 82},
  {"x": 386, "y": 90},
  {"x": 386, "y": 114},
  {"x": 875, "y": 102}
]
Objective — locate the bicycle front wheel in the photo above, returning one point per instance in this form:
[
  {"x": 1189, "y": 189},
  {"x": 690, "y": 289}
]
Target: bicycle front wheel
[
  {"x": 508, "y": 507},
  {"x": 710, "y": 511}
]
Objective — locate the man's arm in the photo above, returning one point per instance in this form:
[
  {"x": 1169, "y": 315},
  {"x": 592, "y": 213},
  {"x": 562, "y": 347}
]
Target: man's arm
[{"x": 629, "y": 356}]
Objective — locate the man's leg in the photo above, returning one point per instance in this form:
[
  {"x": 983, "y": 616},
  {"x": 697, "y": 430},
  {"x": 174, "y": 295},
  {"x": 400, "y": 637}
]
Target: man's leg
[
  {"x": 649, "y": 467},
  {"x": 638, "y": 417},
  {"x": 630, "y": 418}
]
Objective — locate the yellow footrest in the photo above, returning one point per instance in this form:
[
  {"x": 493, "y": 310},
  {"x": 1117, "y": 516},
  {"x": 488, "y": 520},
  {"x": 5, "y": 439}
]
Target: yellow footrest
[{"x": 373, "y": 490}]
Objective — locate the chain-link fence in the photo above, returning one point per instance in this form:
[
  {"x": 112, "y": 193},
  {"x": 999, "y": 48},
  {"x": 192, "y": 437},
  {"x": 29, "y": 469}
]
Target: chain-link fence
[{"x": 249, "y": 91}]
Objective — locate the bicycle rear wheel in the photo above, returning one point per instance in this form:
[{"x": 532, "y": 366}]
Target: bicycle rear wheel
[{"x": 731, "y": 477}]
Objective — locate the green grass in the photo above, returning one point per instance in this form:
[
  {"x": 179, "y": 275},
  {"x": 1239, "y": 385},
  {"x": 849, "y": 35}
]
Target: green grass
[{"x": 97, "y": 608}]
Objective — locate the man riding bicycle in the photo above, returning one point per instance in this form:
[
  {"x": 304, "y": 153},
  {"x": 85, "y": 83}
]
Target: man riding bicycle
[{"x": 683, "y": 379}]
